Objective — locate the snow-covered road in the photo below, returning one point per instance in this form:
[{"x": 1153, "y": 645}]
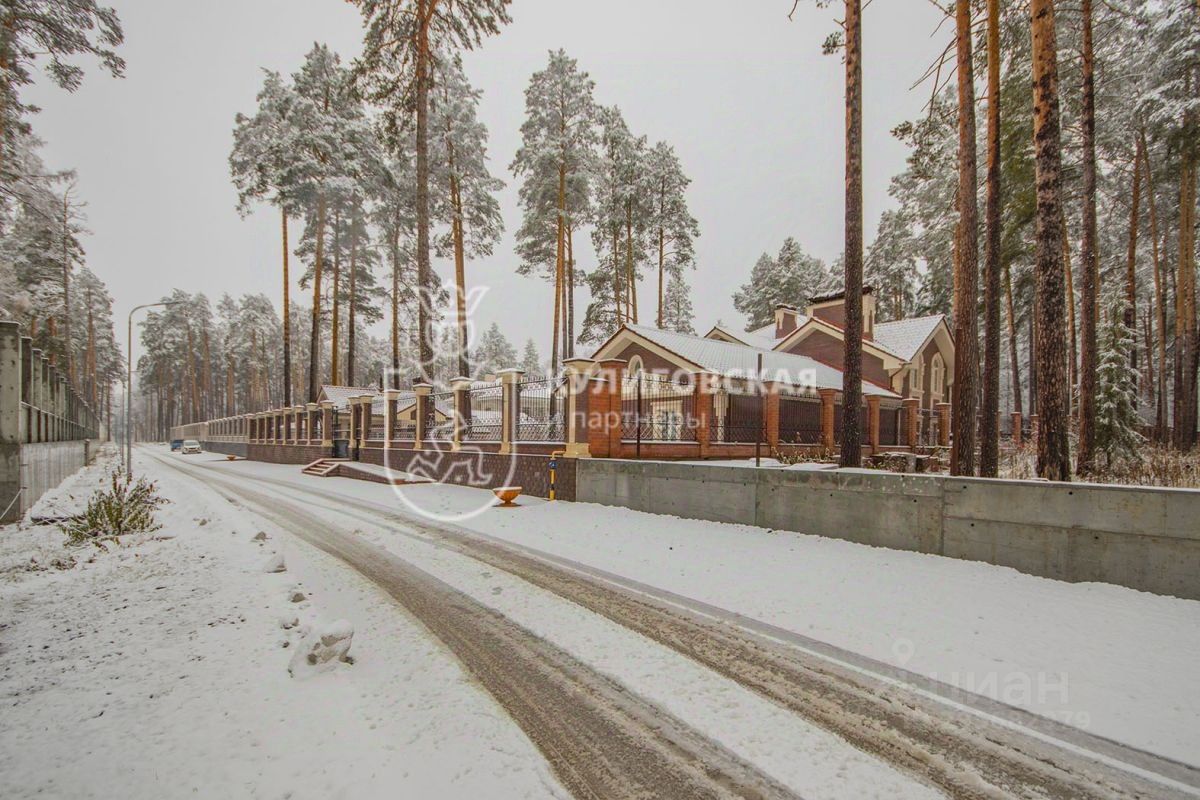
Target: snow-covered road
[{"x": 628, "y": 648}]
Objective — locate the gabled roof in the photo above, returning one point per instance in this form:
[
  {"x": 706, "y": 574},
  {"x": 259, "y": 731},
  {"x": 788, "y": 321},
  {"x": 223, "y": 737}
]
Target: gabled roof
[
  {"x": 736, "y": 360},
  {"x": 751, "y": 338},
  {"x": 905, "y": 337},
  {"x": 817, "y": 322}
]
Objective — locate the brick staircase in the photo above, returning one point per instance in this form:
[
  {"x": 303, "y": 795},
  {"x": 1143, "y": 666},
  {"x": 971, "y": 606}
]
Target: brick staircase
[{"x": 324, "y": 467}]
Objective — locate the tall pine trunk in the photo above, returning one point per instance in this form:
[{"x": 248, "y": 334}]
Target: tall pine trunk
[
  {"x": 351, "y": 377},
  {"x": 570, "y": 291},
  {"x": 1160, "y": 311},
  {"x": 1131, "y": 257},
  {"x": 68, "y": 349},
  {"x": 394, "y": 382},
  {"x": 335, "y": 343},
  {"x": 314, "y": 342},
  {"x": 989, "y": 433},
  {"x": 1186, "y": 350},
  {"x": 851, "y": 453},
  {"x": 1054, "y": 457},
  {"x": 287, "y": 315},
  {"x": 1072, "y": 331},
  {"x": 424, "y": 271},
  {"x": 966, "y": 264},
  {"x": 630, "y": 270},
  {"x": 1088, "y": 268},
  {"x": 559, "y": 258},
  {"x": 1014, "y": 363},
  {"x": 460, "y": 272}
]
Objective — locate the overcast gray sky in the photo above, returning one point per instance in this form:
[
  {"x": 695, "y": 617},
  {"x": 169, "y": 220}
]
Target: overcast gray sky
[{"x": 745, "y": 96}]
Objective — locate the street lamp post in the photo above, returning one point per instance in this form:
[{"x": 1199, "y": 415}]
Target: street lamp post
[{"x": 129, "y": 379}]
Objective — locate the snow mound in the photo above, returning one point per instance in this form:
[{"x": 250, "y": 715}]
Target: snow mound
[
  {"x": 275, "y": 564},
  {"x": 322, "y": 649}
]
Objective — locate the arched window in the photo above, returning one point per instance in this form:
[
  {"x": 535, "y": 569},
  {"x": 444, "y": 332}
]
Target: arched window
[
  {"x": 635, "y": 366},
  {"x": 937, "y": 377}
]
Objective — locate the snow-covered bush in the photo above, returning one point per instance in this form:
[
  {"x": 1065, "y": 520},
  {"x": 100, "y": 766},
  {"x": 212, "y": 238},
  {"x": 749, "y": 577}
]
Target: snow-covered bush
[{"x": 125, "y": 506}]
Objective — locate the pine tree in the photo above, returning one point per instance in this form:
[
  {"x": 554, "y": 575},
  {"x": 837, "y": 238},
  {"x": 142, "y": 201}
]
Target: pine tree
[
  {"x": 494, "y": 352},
  {"x": 331, "y": 132},
  {"x": 964, "y": 393},
  {"x": 531, "y": 362},
  {"x": 396, "y": 70},
  {"x": 558, "y": 140},
  {"x": 34, "y": 30},
  {"x": 677, "y": 306},
  {"x": 468, "y": 190},
  {"x": 791, "y": 278},
  {"x": 890, "y": 266},
  {"x": 1117, "y": 419},
  {"x": 672, "y": 228},
  {"x": 620, "y": 236},
  {"x": 1054, "y": 457},
  {"x": 262, "y": 165}
]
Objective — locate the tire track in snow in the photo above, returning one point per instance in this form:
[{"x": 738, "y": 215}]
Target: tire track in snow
[
  {"x": 961, "y": 753},
  {"x": 601, "y": 741}
]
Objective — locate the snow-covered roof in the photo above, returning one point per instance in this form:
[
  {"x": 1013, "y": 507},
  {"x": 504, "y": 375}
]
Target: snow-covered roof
[
  {"x": 726, "y": 358},
  {"x": 340, "y": 395},
  {"x": 763, "y": 337},
  {"x": 904, "y": 337}
]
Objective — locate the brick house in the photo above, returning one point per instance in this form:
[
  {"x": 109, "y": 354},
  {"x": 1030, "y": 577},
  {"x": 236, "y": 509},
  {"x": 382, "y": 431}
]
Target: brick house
[{"x": 909, "y": 359}]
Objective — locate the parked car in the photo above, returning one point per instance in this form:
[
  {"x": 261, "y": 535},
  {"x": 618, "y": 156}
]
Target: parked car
[
  {"x": 176, "y": 444},
  {"x": 191, "y": 446}
]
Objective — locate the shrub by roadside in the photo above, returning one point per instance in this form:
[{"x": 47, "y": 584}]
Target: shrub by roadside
[{"x": 125, "y": 506}]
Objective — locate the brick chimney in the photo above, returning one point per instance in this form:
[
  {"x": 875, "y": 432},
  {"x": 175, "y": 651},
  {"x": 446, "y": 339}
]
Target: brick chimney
[{"x": 785, "y": 320}]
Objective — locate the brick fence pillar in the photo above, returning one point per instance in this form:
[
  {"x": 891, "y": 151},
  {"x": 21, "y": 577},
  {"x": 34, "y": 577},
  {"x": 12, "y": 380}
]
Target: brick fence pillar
[
  {"x": 312, "y": 413},
  {"x": 912, "y": 419},
  {"x": 702, "y": 403},
  {"x": 510, "y": 407},
  {"x": 827, "y": 416},
  {"x": 943, "y": 412},
  {"x": 422, "y": 392},
  {"x": 461, "y": 386},
  {"x": 366, "y": 418},
  {"x": 1016, "y": 428},
  {"x": 326, "y": 423},
  {"x": 873, "y": 422},
  {"x": 613, "y": 370},
  {"x": 771, "y": 413},
  {"x": 579, "y": 377},
  {"x": 391, "y": 400}
]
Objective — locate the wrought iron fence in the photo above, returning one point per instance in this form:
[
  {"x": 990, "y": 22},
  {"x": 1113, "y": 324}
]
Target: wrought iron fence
[
  {"x": 655, "y": 408},
  {"x": 889, "y": 426},
  {"x": 737, "y": 417},
  {"x": 799, "y": 419},
  {"x": 483, "y": 414},
  {"x": 440, "y": 410},
  {"x": 541, "y": 405},
  {"x": 864, "y": 421}
]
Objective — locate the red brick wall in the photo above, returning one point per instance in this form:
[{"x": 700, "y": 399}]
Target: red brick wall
[
  {"x": 829, "y": 350},
  {"x": 484, "y": 470}
]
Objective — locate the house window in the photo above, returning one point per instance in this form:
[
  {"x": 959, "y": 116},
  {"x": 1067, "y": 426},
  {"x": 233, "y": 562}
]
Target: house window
[
  {"x": 937, "y": 378},
  {"x": 635, "y": 366}
]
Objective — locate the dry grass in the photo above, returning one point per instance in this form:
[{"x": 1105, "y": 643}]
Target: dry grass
[{"x": 1158, "y": 466}]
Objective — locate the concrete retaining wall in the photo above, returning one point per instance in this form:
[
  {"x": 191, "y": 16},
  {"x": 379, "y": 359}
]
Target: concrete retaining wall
[
  {"x": 46, "y": 465},
  {"x": 1143, "y": 538}
]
